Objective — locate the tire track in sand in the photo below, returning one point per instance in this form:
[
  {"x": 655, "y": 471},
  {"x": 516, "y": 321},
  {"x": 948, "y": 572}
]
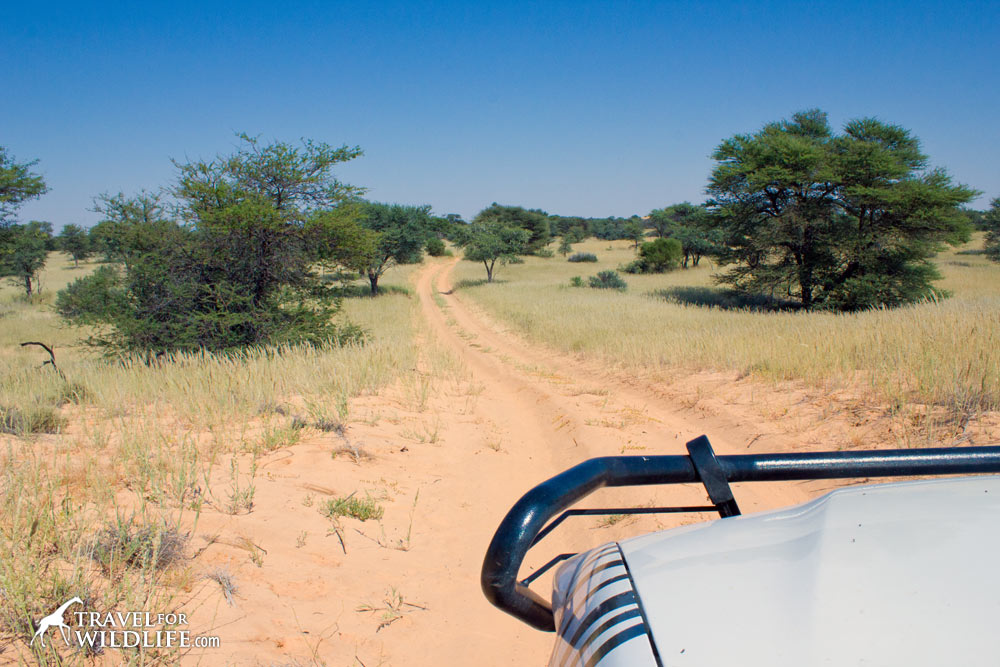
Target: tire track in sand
[{"x": 540, "y": 412}]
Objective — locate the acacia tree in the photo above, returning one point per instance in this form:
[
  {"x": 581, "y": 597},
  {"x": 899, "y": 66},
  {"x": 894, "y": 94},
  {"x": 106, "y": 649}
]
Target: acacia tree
[
  {"x": 635, "y": 233},
  {"x": 535, "y": 222},
  {"x": 23, "y": 254},
  {"x": 692, "y": 226},
  {"x": 490, "y": 240},
  {"x": 565, "y": 246},
  {"x": 124, "y": 218},
  {"x": 235, "y": 268},
  {"x": 839, "y": 221},
  {"x": 18, "y": 184},
  {"x": 401, "y": 234},
  {"x": 74, "y": 240}
]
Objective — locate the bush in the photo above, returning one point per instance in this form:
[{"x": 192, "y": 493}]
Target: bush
[
  {"x": 544, "y": 252},
  {"x": 582, "y": 257},
  {"x": 656, "y": 256},
  {"x": 576, "y": 281},
  {"x": 435, "y": 247},
  {"x": 636, "y": 266},
  {"x": 662, "y": 254},
  {"x": 608, "y": 280}
]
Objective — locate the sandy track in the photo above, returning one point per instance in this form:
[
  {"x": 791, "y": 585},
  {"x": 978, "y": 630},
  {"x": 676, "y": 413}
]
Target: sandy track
[{"x": 522, "y": 415}]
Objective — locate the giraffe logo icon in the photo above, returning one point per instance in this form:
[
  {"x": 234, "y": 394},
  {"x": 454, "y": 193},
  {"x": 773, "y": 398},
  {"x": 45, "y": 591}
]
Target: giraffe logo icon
[{"x": 55, "y": 619}]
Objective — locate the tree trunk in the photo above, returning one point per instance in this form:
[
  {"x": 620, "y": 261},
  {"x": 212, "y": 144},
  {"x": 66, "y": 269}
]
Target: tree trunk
[
  {"x": 489, "y": 270},
  {"x": 27, "y": 285},
  {"x": 806, "y": 286},
  {"x": 373, "y": 279}
]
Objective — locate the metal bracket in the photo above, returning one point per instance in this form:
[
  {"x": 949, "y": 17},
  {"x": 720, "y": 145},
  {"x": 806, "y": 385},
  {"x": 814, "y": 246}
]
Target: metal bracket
[{"x": 711, "y": 474}]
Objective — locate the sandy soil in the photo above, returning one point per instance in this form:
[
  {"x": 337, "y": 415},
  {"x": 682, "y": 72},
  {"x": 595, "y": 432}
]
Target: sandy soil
[{"x": 447, "y": 467}]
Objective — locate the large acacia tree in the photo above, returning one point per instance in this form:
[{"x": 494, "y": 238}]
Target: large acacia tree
[{"x": 842, "y": 221}]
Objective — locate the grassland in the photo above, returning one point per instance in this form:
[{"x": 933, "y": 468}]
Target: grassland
[
  {"x": 938, "y": 353},
  {"x": 102, "y": 463}
]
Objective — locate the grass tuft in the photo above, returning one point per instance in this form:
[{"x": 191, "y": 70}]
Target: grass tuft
[
  {"x": 124, "y": 544},
  {"x": 362, "y": 509}
]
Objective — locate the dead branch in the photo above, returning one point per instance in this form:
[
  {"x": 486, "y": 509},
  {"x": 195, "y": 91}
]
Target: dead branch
[{"x": 52, "y": 356}]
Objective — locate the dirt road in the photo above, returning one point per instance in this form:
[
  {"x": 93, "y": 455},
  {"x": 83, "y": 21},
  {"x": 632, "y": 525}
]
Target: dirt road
[{"x": 447, "y": 465}]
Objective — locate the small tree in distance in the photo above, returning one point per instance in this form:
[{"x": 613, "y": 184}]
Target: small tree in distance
[
  {"x": 535, "y": 222},
  {"x": 635, "y": 234},
  {"x": 23, "y": 254},
  {"x": 401, "y": 234},
  {"x": 565, "y": 247},
  {"x": 991, "y": 223},
  {"x": 489, "y": 240},
  {"x": 74, "y": 240}
]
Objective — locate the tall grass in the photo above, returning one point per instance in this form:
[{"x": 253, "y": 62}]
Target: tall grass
[{"x": 944, "y": 352}]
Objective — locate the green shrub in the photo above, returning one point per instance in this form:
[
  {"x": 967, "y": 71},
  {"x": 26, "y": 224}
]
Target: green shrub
[
  {"x": 582, "y": 257},
  {"x": 435, "y": 247},
  {"x": 656, "y": 256},
  {"x": 576, "y": 281},
  {"x": 544, "y": 252},
  {"x": 662, "y": 254},
  {"x": 608, "y": 280}
]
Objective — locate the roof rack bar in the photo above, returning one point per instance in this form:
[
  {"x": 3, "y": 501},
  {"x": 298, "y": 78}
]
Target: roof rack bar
[
  {"x": 620, "y": 510},
  {"x": 535, "y": 509}
]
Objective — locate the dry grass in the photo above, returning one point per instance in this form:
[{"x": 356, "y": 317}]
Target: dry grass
[
  {"x": 106, "y": 440},
  {"x": 944, "y": 353}
]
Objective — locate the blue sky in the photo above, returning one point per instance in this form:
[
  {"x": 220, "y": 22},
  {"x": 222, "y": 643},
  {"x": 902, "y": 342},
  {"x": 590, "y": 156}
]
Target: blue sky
[{"x": 578, "y": 108}]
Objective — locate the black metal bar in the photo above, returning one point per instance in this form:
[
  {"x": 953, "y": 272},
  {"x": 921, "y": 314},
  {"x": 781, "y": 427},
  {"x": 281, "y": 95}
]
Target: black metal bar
[
  {"x": 712, "y": 476},
  {"x": 619, "y": 510},
  {"x": 536, "y": 508},
  {"x": 545, "y": 568}
]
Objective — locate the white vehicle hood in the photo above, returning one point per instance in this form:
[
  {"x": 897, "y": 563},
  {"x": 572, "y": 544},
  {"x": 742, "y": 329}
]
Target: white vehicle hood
[{"x": 895, "y": 574}]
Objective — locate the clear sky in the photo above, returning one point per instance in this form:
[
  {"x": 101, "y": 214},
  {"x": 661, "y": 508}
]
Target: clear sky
[{"x": 578, "y": 108}]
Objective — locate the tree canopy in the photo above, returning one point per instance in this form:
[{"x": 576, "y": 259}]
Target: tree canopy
[
  {"x": 74, "y": 240},
  {"x": 401, "y": 234},
  {"x": 490, "y": 240},
  {"x": 23, "y": 253},
  {"x": 842, "y": 221},
  {"x": 535, "y": 222},
  {"x": 18, "y": 184},
  {"x": 692, "y": 226}
]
